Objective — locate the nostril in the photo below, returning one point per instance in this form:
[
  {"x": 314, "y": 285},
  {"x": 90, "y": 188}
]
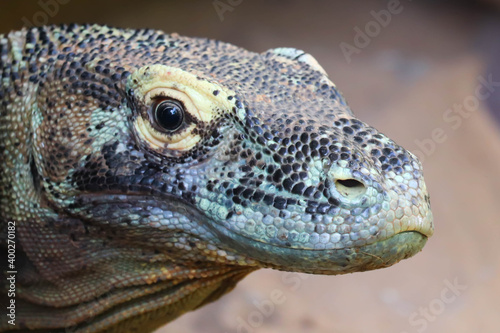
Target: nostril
[{"x": 350, "y": 188}]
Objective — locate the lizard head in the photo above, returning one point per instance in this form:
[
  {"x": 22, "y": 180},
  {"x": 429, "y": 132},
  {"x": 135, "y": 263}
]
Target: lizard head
[{"x": 207, "y": 151}]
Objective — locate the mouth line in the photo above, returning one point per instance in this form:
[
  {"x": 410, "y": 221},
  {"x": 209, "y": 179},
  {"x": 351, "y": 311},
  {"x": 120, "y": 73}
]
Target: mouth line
[
  {"x": 218, "y": 228},
  {"x": 378, "y": 254}
]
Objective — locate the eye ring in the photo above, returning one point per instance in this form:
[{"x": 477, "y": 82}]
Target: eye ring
[{"x": 168, "y": 114}]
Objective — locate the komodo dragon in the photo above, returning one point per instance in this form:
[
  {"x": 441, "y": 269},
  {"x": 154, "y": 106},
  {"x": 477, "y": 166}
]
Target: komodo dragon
[{"x": 144, "y": 174}]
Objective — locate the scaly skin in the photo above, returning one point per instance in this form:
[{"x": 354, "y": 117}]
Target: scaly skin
[{"x": 126, "y": 216}]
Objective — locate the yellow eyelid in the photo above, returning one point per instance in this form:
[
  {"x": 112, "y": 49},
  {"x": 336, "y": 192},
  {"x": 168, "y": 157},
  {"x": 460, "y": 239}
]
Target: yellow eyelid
[
  {"x": 150, "y": 83},
  {"x": 172, "y": 82}
]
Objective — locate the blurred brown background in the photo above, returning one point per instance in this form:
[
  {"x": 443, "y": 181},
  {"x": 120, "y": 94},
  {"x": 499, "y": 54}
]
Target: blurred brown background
[{"x": 409, "y": 80}]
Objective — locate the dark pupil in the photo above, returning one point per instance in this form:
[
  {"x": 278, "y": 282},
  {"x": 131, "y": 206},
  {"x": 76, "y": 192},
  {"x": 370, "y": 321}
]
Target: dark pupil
[{"x": 169, "y": 115}]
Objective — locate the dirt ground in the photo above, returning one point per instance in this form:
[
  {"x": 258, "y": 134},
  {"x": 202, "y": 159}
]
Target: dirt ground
[{"x": 417, "y": 79}]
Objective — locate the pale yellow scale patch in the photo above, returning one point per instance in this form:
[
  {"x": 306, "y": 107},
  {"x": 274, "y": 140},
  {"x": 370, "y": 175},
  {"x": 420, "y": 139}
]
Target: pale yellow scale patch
[{"x": 196, "y": 94}]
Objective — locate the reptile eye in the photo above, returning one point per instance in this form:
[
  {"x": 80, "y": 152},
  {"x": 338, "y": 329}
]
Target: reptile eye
[{"x": 168, "y": 114}]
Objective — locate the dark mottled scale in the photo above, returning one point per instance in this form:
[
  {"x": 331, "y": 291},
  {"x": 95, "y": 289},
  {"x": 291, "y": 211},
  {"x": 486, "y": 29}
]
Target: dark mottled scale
[
  {"x": 288, "y": 183},
  {"x": 280, "y": 202},
  {"x": 298, "y": 188},
  {"x": 268, "y": 199}
]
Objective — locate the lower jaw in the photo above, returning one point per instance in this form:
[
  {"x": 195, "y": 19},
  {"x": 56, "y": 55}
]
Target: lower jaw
[{"x": 377, "y": 255}]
